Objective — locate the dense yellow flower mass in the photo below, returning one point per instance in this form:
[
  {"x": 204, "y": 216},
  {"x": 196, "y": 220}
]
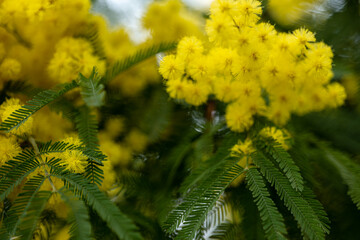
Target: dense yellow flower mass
[{"x": 252, "y": 67}]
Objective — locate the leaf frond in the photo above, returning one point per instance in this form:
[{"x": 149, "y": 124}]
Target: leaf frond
[
  {"x": 192, "y": 211},
  {"x": 21, "y": 115},
  {"x": 87, "y": 127},
  {"x": 286, "y": 163},
  {"x": 272, "y": 220},
  {"x": 92, "y": 91},
  {"x": 107, "y": 210},
  {"x": 309, "y": 222}
]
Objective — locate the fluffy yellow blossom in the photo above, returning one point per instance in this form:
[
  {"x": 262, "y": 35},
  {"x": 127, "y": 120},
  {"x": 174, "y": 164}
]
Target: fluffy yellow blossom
[
  {"x": 200, "y": 69},
  {"x": 177, "y": 88},
  {"x": 280, "y": 135},
  {"x": 9, "y": 148},
  {"x": 10, "y": 69},
  {"x": 171, "y": 67},
  {"x": 243, "y": 148},
  {"x": 248, "y": 12},
  {"x": 10, "y": 106},
  {"x": 219, "y": 30},
  {"x": 226, "y": 7},
  {"x": 189, "y": 48},
  {"x": 73, "y": 160},
  {"x": 304, "y": 36},
  {"x": 196, "y": 93}
]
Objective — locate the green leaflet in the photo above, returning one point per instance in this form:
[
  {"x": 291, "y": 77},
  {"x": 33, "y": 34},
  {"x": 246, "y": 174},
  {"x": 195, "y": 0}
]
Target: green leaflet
[
  {"x": 87, "y": 126},
  {"x": 92, "y": 91},
  {"x": 272, "y": 220},
  {"x": 285, "y": 161}
]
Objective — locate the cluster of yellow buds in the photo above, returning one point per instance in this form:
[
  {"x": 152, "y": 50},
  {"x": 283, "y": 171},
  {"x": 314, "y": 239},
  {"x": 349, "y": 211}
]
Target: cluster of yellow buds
[{"x": 252, "y": 67}]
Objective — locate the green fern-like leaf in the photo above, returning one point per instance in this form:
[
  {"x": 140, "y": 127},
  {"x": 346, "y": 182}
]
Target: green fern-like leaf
[
  {"x": 216, "y": 223},
  {"x": 20, "y": 207},
  {"x": 208, "y": 199},
  {"x": 349, "y": 171},
  {"x": 309, "y": 222},
  {"x": 199, "y": 174},
  {"x": 16, "y": 170},
  {"x": 92, "y": 91},
  {"x": 318, "y": 208},
  {"x": 273, "y": 222},
  {"x": 87, "y": 127},
  {"x": 79, "y": 218},
  {"x": 286, "y": 163},
  {"x": 136, "y": 58},
  {"x": 32, "y": 106},
  {"x": 110, "y": 213},
  {"x": 192, "y": 211},
  {"x": 29, "y": 221}
]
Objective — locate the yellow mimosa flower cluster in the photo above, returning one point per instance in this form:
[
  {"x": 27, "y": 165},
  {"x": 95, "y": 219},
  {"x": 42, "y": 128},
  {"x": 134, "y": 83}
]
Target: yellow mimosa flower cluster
[{"x": 252, "y": 67}]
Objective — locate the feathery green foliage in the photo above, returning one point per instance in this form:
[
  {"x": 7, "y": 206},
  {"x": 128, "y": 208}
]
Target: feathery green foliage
[
  {"x": 87, "y": 126},
  {"x": 20, "y": 207},
  {"x": 286, "y": 163},
  {"x": 30, "y": 219},
  {"x": 92, "y": 91},
  {"x": 273, "y": 222},
  {"x": 309, "y": 222},
  {"x": 192, "y": 211},
  {"x": 349, "y": 171},
  {"x": 83, "y": 188},
  {"x": 79, "y": 218},
  {"x": 139, "y": 56},
  {"x": 36, "y": 103}
]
